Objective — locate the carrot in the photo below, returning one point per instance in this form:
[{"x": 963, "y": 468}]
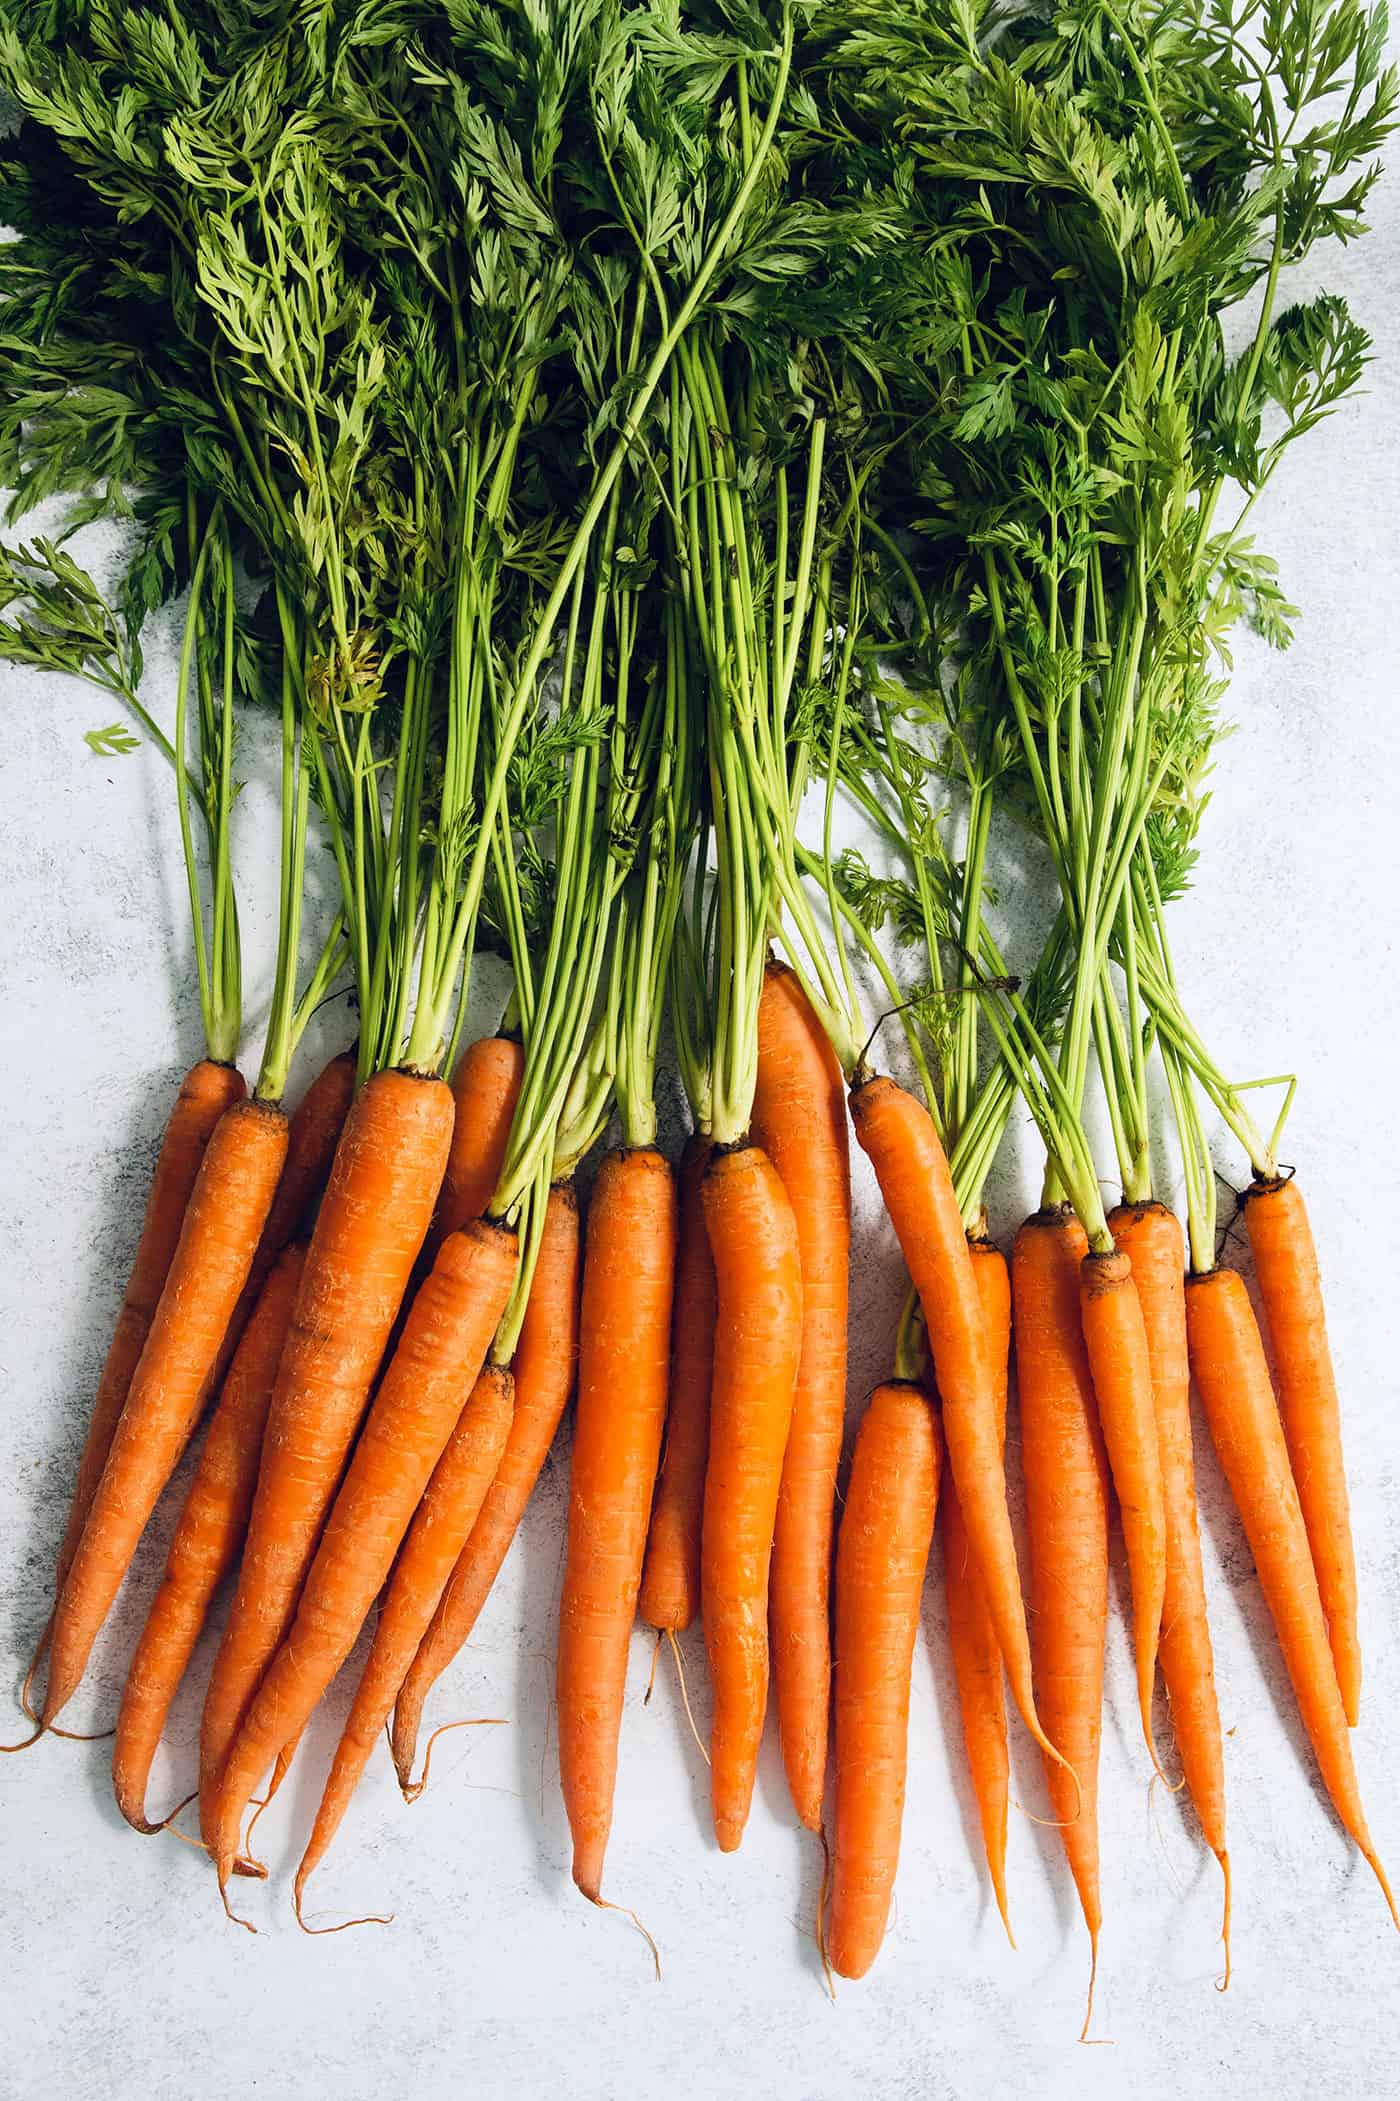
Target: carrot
[
  {"x": 1232, "y": 1377},
  {"x": 207, "y": 1538},
  {"x": 227, "y": 1208},
  {"x": 1067, "y": 1528},
  {"x": 205, "y": 1092},
  {"x": 971, "y": 1635},
  {"x": 543, "y": 1367},
  {"x": 444, "y": 1343},
  {"x": 624, "y": 1351},
  {"x": 898, "y": 1136},
  {"x": 1151, "y": 1237},
  {"x": 799, "y": 1119},
  {"x": 1285, "y": 1263},
  {"x": 881, "y": 1556},
  {"x": 442, "y": 1523},
  {"x": 312, "y": 1136},
  {"x": 485, "y": 1089},
  {"x": 670, "y": 1593},
  {"x": 371, "y": 1225},
  {"x": 758, "y": 1345},
  {"x": 1116, "y": 1339}
]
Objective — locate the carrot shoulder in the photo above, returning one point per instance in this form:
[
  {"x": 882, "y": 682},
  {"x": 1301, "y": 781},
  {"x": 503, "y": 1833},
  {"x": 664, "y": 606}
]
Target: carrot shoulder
[
  {"x": 1290, "y": 1287},
  {"x": 624, "y": 1352},
  {"x": 881, "y": 1556},
  {"x": 370, "y": 1228},
  {"x": 485, "y": 1089},
  {"x": 207, "y": 1538},
  {"x": 799, "y": 1119},
  {"x": 543, "y": 1368},
  {"x": 227, "y": 1208},
  {"x": 440, "y": 1354},
  {"x": 758, "y": 1345}
]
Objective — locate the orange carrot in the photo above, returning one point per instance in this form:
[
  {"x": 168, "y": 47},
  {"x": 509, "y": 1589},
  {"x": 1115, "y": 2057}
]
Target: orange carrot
[
  {"x": 1285, "y": 1263},
  {"x": 1067, "y": 1527},
  {"x": 624, "y": 1352},
  {"x": 1151, "y": 1237},
  {"x": 545, "y": 1358},
  {"x": 371, "y": 1225},
  {"x": 440, "y": 1354},
  {"x": 485, "y": 1089},
  {"x": 312, "y": 1136},
  {"x": 225, "y": 1215},
  {"x": 443, "y": 1521},
  {"x": 206, "y": 1091},
  {"x": 903, "y": 1147},
  {"x": 1232, "y": 1377},
  {"x": 758, "y": 1346},
  {"x": 207, "y": 1538},
  {"x": 1116, "y": 1339},
  {"x": 670, "y": 1593},
  {"x": 799, "y": 1119},
  {"x": 881, "y": 1556},
  {"x": 971, "y": 1635}
]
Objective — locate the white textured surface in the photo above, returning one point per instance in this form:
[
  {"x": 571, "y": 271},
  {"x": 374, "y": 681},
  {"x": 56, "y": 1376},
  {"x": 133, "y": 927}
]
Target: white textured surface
[{"x": 119, "y": 1976}]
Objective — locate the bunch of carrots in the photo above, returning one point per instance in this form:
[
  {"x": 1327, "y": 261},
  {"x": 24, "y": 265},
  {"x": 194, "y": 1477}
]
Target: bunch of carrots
[{"x": 611, "y": 441}]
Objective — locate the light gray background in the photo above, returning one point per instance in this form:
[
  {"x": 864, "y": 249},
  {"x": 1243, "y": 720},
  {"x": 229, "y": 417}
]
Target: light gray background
[{"x": 119, "y": 1976}]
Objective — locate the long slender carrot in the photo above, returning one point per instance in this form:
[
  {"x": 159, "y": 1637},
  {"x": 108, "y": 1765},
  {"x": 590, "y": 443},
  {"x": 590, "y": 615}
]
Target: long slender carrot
[
  {"x": 1116, "y": 1339},
  {"x": 440, "y": 1354},
  {"x": 205, "y": 1092},
  {"x": 972, "y": 1638},
  {"x": 207, "y": 1538},
  {"x": 371, "y": 1225},
  {"x": 881, "y": 1556},
  {"x": 1285, "y": 1263},
  {"x": 544, "y": 1363},
  {"x": 758, "y": 1347},
  {"x": 799, "y": 1119},
  {"x": 223, "y": 1219},
  {"x": 624, "y": 1352},
  {"x": 485, "y": 1089},
  {"x": 313, "y": 1133},
  {"x": 1232, "y": 1377},
  {"x": 1066, "y": 1479},
  {"x": 670, "y": 1593},
  {"x": 1150, "y": 1235},
  {"x": 443, "y": 1521},
  {"x": 897, "y": 1135}
]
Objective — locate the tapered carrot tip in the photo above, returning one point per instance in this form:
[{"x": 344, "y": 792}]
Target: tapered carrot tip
[{"x": 729, "y": 1830}]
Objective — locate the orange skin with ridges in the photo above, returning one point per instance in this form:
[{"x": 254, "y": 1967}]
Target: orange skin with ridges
[{"x": 670, "y": 1593}]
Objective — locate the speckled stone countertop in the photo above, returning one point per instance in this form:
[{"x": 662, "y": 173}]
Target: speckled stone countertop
[{"x": 119, "y": 1977}]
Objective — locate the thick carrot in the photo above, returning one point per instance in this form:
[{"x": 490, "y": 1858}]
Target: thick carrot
[
  {"x": 443, "y": 1521},
  {"x": 903, "y": 1147},
  {"x": 223, "y": 1219},
  {"x": 1067, "y": 1528},
  {"x": 670, "y": 1593},
  {"x": 881, "y": 1556},
  {"x": 977, "y": 1664},
  {"x": 544, "y": 1363},
  {"x": 207, "y": 1538},
  {"x": 1232, "y": 1377},
  {"x": 485, "y": 1089},
  {"x": 1285, "y": 1263},
  {"x": 799, "y": 1119},
  {"x": 205, "y": 1092},
  {"x": 440, "y": 1354},
  {"x": 1116, "y": 1339},
  {"x": 312, "y": 1136},
  {"x": 758, "y": 1347},
  {"x": 624, "y": 1352},
  {"x": 370, "y": 1228},
  {"x": 1151, "y": 1237}
]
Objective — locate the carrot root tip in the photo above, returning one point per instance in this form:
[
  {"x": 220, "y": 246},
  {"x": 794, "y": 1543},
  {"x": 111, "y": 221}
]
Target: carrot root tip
[{"x": 601, "y": 1903}]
